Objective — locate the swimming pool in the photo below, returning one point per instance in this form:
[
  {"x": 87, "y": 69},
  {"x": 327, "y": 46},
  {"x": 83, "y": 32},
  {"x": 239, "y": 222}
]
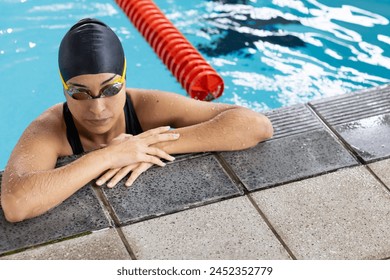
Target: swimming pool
[{"x": 270, "y": 53}]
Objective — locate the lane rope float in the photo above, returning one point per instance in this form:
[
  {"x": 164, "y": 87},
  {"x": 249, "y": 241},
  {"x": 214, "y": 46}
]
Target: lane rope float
[{"x": 191, "y": 70}]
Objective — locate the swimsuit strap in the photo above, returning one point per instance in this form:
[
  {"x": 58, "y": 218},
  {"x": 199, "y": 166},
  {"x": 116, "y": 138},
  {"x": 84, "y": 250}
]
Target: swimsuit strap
[
  {"x": 133, "y": 126},
  {"x": 71, "y": 132}
]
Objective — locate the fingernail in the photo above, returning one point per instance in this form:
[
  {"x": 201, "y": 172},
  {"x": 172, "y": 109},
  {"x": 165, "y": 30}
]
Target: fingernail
[
  {"x": 110, "y": 185},
  {"x": 128, "y": 184},
  {"x": 99, "y": 182},
  {"x": 176, "y": 135},
  {"x": 171, "y": 158}
]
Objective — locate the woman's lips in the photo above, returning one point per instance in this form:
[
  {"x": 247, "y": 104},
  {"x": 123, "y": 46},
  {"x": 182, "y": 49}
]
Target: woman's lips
[{"x": 101, "y": 121}]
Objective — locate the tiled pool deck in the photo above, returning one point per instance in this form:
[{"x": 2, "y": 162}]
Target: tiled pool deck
[{"x": 320, "y": 189}]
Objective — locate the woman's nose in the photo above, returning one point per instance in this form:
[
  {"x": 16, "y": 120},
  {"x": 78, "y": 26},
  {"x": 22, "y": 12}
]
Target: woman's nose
[{"x": 97, "y": 106}]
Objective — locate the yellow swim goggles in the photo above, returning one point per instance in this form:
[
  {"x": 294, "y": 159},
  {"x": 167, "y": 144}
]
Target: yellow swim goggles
[{"x": 84, "y": 94}]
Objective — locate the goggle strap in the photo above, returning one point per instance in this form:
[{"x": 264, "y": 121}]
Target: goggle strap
[
  {"x": 124, "y": 72},
  {"x": 63, "y": 82},
  {"x": 121, "y": 79}
]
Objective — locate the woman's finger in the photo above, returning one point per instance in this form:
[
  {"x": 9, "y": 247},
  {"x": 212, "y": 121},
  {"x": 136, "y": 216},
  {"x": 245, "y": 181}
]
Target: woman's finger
[
  {"x": 120, "y": 175},
  {"x": 152, "y": 159},
  {"x": 159, "y": 153},
  {"x": 107, "y": 176},
  {"x": 137, "y": 172}
]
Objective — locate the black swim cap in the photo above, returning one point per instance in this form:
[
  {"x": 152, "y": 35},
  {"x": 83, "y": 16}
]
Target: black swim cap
[{"x": 90, "y": 47}]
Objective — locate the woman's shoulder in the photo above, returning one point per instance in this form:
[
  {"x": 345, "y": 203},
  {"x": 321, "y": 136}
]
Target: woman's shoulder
[
  {"x": 49, "y": 125},
  {"x": 52, "y": 116}
]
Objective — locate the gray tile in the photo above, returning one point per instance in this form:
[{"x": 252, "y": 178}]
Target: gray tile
[
  {"x": 369, "y": 137},
  {"x": 79, "y": 213},
  {"x": 340, "y": 215},
  {"x": 231, "y": 229},
  {"x": 289, "y": 158},
  {"x": 292, "y": 120},
  {"x": 362, "y": 119},
  {"x": 174, "y": 187},
  {"x": 101, "y": 245},
  {"x": 347, "y": 108}
]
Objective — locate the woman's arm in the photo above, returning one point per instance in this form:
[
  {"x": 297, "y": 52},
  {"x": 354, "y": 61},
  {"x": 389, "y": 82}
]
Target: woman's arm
[
  {"x": 203, "y": 126},
  {"x": 31, "y": 185},
  {"x": 230, "y": 130}
]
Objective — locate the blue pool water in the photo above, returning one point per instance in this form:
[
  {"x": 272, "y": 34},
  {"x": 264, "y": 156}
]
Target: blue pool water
[{"x": 270, "y": 53}]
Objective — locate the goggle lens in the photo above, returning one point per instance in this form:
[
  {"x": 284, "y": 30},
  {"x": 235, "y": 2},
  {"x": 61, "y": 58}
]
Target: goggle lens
[{"x": 83, "y": 94}]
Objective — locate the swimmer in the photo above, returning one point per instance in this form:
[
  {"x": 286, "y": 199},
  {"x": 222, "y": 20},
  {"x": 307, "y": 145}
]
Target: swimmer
[{"x": 118, "y": 131}]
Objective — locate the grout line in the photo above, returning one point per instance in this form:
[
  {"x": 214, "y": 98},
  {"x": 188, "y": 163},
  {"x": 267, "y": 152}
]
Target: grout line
[
  {"x": 335, "y": 134},
  {"x": 196, "y": 205},
  {"x": 264, "y": 217},
  {"x": 110, "y": 211},
  {"x": 376, "y": 177},
  {"x": 43, "y": 244},
  {"x": 237, "y": 180},
  {"x": 230, "y": 172},
  {"x": 274, "y": 185},
  {"x": 126, "y": 243}
]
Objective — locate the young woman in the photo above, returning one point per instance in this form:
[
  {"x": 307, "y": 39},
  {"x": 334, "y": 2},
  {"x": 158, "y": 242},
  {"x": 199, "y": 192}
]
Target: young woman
[{"x": 118, "y": 130}]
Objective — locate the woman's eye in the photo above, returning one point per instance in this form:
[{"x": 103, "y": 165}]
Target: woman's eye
[
  {"x": 76, "y": 90},
  {"x": 111, "y": 90}
]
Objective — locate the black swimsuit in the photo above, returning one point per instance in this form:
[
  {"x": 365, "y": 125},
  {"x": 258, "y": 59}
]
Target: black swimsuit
[{"x": 132, "y": 125}]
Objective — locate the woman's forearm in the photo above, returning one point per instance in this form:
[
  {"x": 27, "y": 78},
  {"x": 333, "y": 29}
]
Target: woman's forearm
[
  {"x": 28, "y": 195},
  {"x": 234, "y": 129}
]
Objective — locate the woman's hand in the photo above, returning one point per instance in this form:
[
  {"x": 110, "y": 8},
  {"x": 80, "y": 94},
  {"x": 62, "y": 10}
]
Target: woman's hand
[
  {"x": 115, "y": 175},
  {"x": 136, "y": 154},
  {"x": 127, "y": 149}
]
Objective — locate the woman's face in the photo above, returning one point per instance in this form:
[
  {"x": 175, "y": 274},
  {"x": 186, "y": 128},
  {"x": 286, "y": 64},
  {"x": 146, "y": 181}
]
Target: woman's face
[{"x": 99, "y": 115}]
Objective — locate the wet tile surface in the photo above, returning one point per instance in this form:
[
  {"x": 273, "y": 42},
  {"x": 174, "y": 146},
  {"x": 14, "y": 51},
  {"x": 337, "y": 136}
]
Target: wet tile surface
[
  {"x": 362, "y": 119},
  {"x": 341, "y": 215},
  {"x": 369, "y": 137},
  {"x": 80, "y": 213},
  {"x": 102, "y": 245},
  {"x": 292, "y": 120},
  {"x": 174, "y": 187},
  {"x": 231, "y": 229},
  {"x": 289, "y": 158},
  {"x": 351, "y": 107}
]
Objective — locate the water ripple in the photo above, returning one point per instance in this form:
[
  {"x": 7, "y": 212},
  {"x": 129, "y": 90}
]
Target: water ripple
[{"x": 291, "y": 51}]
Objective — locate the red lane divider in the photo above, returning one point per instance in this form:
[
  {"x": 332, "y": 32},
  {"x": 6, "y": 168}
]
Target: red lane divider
[{"x": 196, "y": 76}]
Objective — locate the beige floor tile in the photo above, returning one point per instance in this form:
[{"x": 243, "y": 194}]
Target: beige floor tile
[
  {"x": 382, "y": 170},
  {"x": 341, "y": 215},
  {"x": 102, "y": 245},
  {"x": 231, "y": 229}
]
